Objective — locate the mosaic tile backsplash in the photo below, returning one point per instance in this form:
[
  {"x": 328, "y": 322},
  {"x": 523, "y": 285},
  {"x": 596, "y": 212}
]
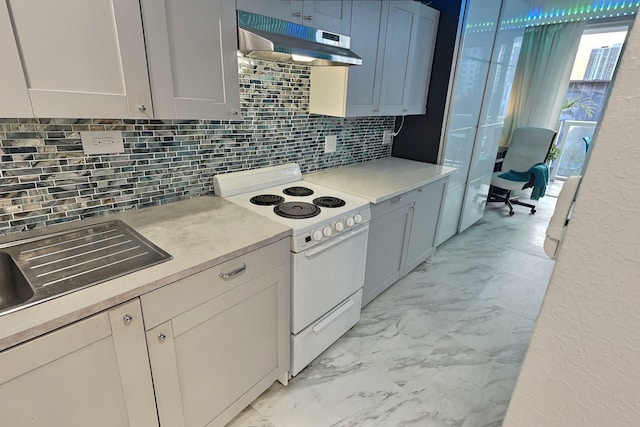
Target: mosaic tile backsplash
[{"x": 45, "y": 178}]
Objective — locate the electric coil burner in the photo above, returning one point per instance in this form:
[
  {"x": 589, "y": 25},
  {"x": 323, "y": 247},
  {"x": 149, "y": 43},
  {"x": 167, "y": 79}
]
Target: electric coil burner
[
  {"x": 266, "y": 199},
  {"x": 329, "y": 202},
  {"x": 296, "y": 210},
  {"x": 329, "y": 235},
  {"x": 298, "y": 191}
]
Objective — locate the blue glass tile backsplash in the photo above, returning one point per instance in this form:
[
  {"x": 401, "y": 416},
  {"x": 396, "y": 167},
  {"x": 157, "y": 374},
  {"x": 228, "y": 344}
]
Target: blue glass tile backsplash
[{"x": 45, "y": 178}]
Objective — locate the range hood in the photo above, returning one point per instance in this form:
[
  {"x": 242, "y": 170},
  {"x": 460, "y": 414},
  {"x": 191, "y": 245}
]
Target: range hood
[{"x": 270, "y": 38}]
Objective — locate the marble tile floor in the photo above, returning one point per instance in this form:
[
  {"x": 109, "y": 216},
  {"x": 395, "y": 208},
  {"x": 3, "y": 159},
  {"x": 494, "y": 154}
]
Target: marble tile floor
[{"x": 441, "y": 347}]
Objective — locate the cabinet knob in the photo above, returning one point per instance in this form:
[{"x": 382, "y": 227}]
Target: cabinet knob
[
  {"x": 308, "y": 17},
  {"x": 142, "y": 108},
  {"x": 127, "y": 318},
  {"x": 234, "y": 112},
  {"x": 297, "y": 14},
  {"x": 161, "y": 337}
]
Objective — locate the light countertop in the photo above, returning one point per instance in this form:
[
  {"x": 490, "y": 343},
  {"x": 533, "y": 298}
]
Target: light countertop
[
  {"x": 381, "y": 179},
  {"x": 199, "y": 233}
]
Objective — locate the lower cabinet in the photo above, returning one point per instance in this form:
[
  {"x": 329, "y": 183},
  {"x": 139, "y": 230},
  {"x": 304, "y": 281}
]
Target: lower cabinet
[
  {"x": 94, "y": 372},
  {"x": 223, "y": 338},
  {"x": 402, "y": 235},
  {"x": 214, "y": 342},
  {"x": 426, "y": 218},
  {"x": 387, "y": 246}
]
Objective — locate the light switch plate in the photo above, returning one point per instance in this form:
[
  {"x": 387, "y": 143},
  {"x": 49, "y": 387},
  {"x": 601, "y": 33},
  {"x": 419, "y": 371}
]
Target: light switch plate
[
  {"x": 330, "y": 142},
  {"x": 102, "y": 142}
]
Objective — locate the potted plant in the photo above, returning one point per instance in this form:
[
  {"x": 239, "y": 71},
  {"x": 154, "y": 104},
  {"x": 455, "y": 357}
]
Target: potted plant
[{"x": 554, "y": 152}]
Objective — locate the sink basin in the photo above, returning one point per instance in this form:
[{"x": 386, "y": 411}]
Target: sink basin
[
  {"x": 14, "y": 289},
  {"x": 37, "y": 270}
]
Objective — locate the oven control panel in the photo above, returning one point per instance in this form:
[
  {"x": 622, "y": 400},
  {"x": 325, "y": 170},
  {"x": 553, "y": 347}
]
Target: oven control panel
[{"x": 323, "y": 232}]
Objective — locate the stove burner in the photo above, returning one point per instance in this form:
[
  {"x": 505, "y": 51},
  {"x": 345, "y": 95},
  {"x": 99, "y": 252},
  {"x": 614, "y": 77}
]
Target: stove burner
[
  {"x": 266, "y": 199},
  {"x": 329, "y": 202},
  {"x": 298, "y": 191},
  {"x": 296, "y": 210}
]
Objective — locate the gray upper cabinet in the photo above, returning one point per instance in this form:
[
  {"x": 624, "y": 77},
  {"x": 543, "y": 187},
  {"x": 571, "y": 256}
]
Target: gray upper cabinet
[
  {"x": 13, "y": 86},
  {"x": 94, "y": 63},
  {"x": 191, "y": 50},
  {"x": 78, "y": 58},
  {"x": 408, "y": 56},
  {"x": 330, "y": 15},
  {"x": 396, "y": 41}
]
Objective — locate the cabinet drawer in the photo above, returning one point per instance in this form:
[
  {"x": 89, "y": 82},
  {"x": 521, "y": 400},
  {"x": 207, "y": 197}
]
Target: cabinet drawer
[
  {"x": 383, "y": 208},
  {"x": 171, "y": 300},
  {"x": 318, "y": 336}
]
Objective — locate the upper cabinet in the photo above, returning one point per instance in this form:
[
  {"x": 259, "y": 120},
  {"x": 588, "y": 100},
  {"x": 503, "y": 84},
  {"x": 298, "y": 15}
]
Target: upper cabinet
[
  {"x": 79, "y": 59},
  {"x": 330, "y": 15},
  {"x": 410, "y": 41},
  {"x": 191, "y": 49},
  {"x": 13, "y": 86},
  {"x": 93, "y": 62},
  {"x": 396, "y": 41}
]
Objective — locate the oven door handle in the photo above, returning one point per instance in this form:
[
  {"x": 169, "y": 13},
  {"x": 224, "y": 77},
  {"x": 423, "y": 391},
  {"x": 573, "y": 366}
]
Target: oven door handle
[
  {"x": 333, "y": 316},
  {"x": 330, "y": 243}
]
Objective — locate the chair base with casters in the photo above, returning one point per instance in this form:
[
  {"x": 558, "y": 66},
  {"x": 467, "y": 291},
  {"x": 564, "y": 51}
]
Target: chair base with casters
[{"x": 508, "y": 200}]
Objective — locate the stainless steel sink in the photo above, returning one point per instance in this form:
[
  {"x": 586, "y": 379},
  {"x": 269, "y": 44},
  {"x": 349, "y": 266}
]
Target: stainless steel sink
[
  {"x": 36, "y": 270},
  {"x": 14, "y": 289}
]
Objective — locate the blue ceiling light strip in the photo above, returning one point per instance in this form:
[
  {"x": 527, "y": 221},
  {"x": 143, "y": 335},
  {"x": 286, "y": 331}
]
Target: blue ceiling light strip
[
  {"x": 595, "y": 10},
  {"x": 598, "y": 9}
]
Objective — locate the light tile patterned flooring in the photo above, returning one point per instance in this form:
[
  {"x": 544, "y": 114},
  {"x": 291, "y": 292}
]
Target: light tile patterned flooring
[{"x": 442, "y": 347}]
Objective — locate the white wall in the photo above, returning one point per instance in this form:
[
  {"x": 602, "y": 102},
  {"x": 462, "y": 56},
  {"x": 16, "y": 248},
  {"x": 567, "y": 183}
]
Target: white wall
[{"x": 583, "y": 364}]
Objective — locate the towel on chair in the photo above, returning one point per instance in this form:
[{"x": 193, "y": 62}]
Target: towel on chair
[{"x": 537, "y": 177}]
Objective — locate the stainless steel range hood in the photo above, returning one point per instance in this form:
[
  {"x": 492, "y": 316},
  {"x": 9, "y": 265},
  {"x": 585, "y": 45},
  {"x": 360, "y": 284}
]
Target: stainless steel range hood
[{"x": 269, "y": 38}]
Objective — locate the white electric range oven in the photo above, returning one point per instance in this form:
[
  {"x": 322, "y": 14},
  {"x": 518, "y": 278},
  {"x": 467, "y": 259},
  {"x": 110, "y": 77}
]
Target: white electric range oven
[{"x": 328, "y": 250}]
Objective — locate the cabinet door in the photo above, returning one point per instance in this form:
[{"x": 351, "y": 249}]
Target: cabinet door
[
  {"x": 396, "y": 57},
  {"x": 83, "y": 59},
  {"x": 213, "y": 360},
  {"x": 193, "y": 67},
  {"x": 92, "y": 373},
  {"x": 423, "y": 43},
  {"x": 287, "y": 10},
  {"x": 330, "y": 15},
  {"x": 386, "y": 251},
  {"x": 13, "y": 86},
  {"x": 363, "y": 90},
  {"x": 424, "y": 226},
  {"x": 408, "y": 54}
]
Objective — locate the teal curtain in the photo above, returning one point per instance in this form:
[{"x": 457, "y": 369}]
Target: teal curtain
[{"x": 542, "y": 76}]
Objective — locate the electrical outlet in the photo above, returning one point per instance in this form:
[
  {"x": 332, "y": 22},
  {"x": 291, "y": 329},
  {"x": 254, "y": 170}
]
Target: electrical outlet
[
  {"x": 102, "y": 142},
  {"x": 330, "y": 144},
  {"x": 387, "y": 136}
]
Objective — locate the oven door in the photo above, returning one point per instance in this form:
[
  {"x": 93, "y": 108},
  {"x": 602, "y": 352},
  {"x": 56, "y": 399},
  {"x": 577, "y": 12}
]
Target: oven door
[{"x": 326, "y": 274}]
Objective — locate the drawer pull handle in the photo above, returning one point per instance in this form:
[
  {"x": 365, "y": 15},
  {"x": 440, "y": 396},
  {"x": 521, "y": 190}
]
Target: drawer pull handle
[
  {"x": 238, "y": 270},
  {"x": 396, "y": 199}
]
